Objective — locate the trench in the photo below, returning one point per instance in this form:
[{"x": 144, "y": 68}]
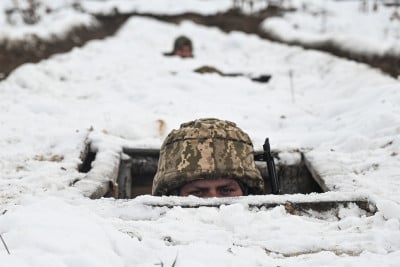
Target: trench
[
  {"x": 234, "y": 20},
  {"x": 131, "y": 176},
  {"x": 15, "y": 53},
  {"x": 136, "y": 173}
]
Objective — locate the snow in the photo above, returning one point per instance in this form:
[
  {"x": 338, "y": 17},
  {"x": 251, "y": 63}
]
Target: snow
[
  {"x": 51, "y": 24},
  {"x": 78, "y": 232},
  {"x": 116, "y": 91},
  {"x": 341, "y": 23},
  {"x": 66, "y": 14},
  {"x": 204, "y": 7}
]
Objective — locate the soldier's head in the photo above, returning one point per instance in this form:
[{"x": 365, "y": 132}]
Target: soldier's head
[
  {"x": 207, "y": 158},
  {"x": 183, "y": 47}
]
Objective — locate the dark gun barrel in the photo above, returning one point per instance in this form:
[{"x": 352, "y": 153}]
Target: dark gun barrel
[{"x": 271, "y": 168}]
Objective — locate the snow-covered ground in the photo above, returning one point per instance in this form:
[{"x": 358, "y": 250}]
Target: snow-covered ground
[
  {"x": 345, "y": 113},
  {"x": 346, "y": 24},
  {"x": 56, "y": 17},
  {"x": 205, "y": 7}
]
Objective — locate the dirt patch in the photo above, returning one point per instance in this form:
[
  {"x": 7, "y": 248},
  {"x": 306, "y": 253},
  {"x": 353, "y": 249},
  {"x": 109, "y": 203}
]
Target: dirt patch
[{"x": 231, "y": 20}]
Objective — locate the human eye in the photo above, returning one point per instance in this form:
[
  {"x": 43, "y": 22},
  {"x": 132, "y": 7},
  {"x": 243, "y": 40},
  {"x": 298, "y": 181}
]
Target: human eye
[
  {"x": 226, "y": 190},
  {"x": 197, "y": 192}
]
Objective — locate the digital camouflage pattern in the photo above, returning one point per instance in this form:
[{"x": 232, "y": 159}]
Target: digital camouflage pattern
[{"x": 206, "y": 149}]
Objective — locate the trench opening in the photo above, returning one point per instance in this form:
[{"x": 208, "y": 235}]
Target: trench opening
[
  {"x": 87, "y": 157},
  {"x": 138, "y": 167}
]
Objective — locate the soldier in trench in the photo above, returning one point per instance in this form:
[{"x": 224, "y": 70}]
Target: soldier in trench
[
  {"x": 207, "y": 158},
  {"x": 183, "y": 47}
]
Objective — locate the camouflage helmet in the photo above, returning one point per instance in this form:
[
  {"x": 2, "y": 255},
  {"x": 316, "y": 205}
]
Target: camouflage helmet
[
  {"x": 206, "y": 149},
  {"x": 182, "y": 41}
]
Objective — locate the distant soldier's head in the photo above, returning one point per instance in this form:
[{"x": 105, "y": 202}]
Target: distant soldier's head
[
  {"x": 207, "y": 158},
  {"x": 183, "y": 47}
]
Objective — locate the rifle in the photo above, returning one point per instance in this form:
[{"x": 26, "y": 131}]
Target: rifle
[
  {"x": 275, "y": 185},
  {"x": 264, "y": 78}
]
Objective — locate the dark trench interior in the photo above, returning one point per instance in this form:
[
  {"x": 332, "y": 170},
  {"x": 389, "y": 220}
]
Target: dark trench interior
[{"x": 138, "y": 168}]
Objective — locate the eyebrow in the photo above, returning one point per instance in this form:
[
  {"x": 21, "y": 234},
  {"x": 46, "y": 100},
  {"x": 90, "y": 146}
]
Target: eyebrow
[
  {"x": 207, "y": 187},
  {"x": 199, "y": 187}
]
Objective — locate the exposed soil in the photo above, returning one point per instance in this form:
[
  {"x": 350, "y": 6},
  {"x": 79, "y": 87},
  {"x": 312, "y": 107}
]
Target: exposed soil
[
  {"x": 388, "y": 63},
  {"x": 16, "y": 53},
  {"x": 232, "y": 20}
]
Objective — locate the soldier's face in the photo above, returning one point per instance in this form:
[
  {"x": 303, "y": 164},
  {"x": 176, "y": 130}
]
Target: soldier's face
[
  {"x": 184, "y": 51},
  {"x": 212, "y": 188}
]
